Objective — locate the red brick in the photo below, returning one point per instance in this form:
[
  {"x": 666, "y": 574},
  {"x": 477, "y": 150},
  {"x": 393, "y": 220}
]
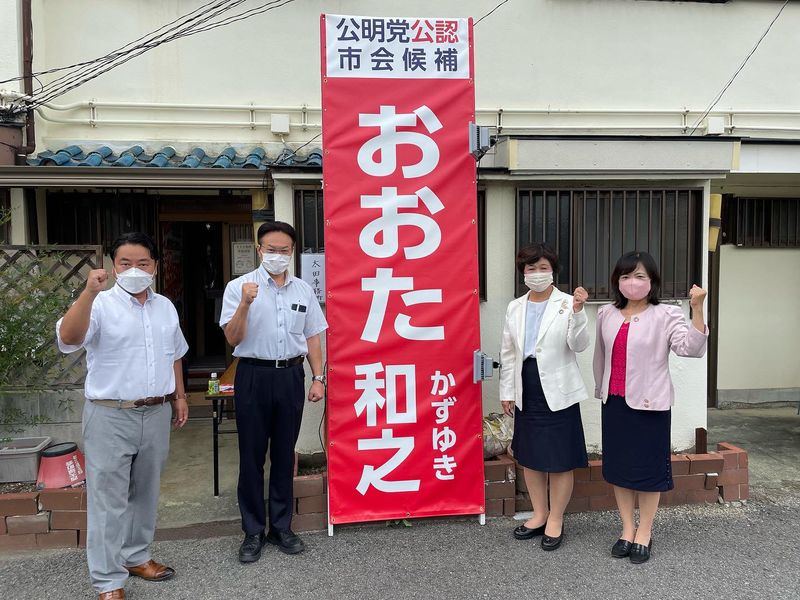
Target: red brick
[
  {"x": 494, "y": 470},
  {"x": 577, "y": 505},
  {"x": 308, "y": 485},
  {"x": 58, "y": 539},
  {"x": 312, "y": 504},
  {"x": 596, "y": 470},
  {"x": 519, "y": 482},
  {"x": 66, "y": 499},
  {"x": 731, "y": 458},
  {"x": 310, "y": 522},
  {"x": 494, "y": 507},
  {"x": 3, "y": 529},
  {"x": 501, "y": 489},
  {"x": 737, "y": 476},
  {"x": 583, "y": 474},
  {"x": 690, "y": 482},
  {"x": 680, "y": 464},
  {"x": 743, "y": 460},
  {"x": 705, "y": 463},
  {"x": 523, "y": 502},
  {"x": 744, "y": 491},
  {"x": 673, "y": 497},
  {"x": 711, "y": 481},
  {"x": 698, "y": 496},
  {"x": 730, "y": 493},
  {"x": 591, "y": 488},
  {"x": 509, "y": 507},
  {"x": 727, "y": 446},
  {"x": 82, "y": 538},
  {"x": 602, "y": 503},
  {"x": 18, "y": 542},
  {"x": 68, "y": 519},
  {"x": 19, "y": 504},
  {"x": 28, "y": 524}
]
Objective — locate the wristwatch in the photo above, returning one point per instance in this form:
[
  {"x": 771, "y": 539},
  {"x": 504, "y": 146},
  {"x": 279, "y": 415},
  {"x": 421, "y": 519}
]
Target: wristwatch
[{"x": 320, "y": 378}]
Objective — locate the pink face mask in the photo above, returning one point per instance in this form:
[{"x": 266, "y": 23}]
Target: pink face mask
[{"x": 635, "y": 289}]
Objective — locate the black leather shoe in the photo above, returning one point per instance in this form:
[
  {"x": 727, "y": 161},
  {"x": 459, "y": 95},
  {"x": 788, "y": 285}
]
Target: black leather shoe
[
  {"x": 622, "y": 549},
  {"x": 250, "y": 550},
  {"x": 552, "y": 543},
  {"x": 640, "y": 553},
  {"x": 286, "y": 541},
  {"x": 526, "y": 533}
]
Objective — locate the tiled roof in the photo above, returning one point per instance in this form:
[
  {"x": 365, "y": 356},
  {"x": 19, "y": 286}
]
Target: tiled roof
[{"x": 166, "y": 157}]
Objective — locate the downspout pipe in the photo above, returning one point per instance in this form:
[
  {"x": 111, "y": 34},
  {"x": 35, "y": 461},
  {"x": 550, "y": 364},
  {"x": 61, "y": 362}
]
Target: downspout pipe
[{"x": 27, "y": 73}]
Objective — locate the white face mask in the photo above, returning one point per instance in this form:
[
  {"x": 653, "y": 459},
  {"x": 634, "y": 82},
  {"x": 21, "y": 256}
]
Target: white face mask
[
  {"x": 134, "y": 280},
  {"x": 539, "y": 282},
  {"x": 275, "y": 264}
]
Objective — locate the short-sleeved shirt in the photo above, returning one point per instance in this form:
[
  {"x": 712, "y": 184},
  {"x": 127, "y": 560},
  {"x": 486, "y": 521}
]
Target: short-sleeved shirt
[
  {"x": 280, "y": 319},
  {"x": 130, "y": 347}
]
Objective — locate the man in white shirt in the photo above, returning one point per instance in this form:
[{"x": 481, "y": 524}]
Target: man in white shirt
[
  {"x": 133, "y": 348},
  {"x": 273, "y": 320}
]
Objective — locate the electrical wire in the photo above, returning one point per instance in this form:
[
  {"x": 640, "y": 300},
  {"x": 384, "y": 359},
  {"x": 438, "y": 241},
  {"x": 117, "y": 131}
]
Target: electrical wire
[
  {"x": 724, "y": 89},
  {"x": 489, "y": 13},
  {"x": 197, "y": 21}
]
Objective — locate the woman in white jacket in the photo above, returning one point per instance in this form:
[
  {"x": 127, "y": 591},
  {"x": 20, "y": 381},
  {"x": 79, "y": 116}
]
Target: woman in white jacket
[{"x": 541, "y": 385}]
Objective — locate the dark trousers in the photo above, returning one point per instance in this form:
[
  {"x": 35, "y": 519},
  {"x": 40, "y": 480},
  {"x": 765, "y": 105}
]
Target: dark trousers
[{"x": 269, "y": 410}]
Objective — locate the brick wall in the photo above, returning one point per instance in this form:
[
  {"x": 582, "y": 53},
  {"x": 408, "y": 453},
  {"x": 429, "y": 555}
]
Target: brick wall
[
  {"x": 46, "y": 519},
  {"x": 698, "y": 478}
]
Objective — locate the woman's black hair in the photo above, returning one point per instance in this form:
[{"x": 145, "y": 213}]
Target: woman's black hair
[
  {"x": 136, "y": 238},
  {"x": 627, "y": 263},
  {"x": 532, "y": 253}
]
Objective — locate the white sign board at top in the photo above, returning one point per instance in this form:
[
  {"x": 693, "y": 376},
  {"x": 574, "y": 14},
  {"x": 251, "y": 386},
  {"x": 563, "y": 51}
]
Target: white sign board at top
[{"x": 397, "y": 48}]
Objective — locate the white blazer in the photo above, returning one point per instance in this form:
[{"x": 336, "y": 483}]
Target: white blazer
[{"x": 561, "y": 334}]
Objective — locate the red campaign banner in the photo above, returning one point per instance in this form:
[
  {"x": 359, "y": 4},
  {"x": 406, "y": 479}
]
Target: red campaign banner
[{"x": 404, "y": 414}]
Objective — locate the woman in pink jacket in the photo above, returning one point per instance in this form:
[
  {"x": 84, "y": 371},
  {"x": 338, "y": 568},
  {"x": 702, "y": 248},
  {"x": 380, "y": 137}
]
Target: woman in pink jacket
[{"x": 631, "y": 372}]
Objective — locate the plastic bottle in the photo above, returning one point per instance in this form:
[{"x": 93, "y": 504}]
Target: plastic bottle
[{"x": 213, "y": 385}]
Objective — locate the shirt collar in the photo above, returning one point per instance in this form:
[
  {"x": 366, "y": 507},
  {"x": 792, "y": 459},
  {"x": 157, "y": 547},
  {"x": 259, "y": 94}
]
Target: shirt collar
[
  {"x": 262, "y": 273},
  {"x": 125, "y": 296}
]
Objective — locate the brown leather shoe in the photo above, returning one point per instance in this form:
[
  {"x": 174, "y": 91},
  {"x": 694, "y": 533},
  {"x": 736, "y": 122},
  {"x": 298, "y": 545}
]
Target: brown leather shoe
[
  {"x": 152, "y": 571},
  {"x": 112, "y": 595}
]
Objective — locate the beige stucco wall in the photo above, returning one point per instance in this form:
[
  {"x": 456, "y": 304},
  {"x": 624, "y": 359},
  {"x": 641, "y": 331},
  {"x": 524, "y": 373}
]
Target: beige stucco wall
[{"x": 759, "y": 324}]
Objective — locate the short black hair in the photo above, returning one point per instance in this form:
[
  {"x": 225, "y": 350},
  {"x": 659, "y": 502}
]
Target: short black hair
[
  {"x": 532, "y": 253},
  {"x": 271, "y": 226},
  {"x": 627, "y": 263},
  {"x": 137, "y": 238}
]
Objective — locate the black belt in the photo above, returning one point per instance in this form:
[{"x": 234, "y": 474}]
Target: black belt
[{"x": 273, "y": 364}]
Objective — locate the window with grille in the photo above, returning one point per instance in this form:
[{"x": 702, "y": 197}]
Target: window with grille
[
  {"x": 309, "y": 223},
  {"x": 591, "y": 229},
  {"x": 5, "y": 216},
  {"x": 761, "y": 222}
]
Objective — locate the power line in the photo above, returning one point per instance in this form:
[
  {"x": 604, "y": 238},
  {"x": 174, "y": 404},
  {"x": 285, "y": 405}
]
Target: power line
[
  {"x": 489, "y": 13},
  {"x": 724, "y": 89}
]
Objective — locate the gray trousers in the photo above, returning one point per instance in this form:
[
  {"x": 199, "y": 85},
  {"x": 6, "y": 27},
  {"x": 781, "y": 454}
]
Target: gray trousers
[{"x": 125, "y": 450}]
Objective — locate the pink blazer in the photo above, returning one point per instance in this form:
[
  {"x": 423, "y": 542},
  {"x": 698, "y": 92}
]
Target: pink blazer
[{"x": 652, "y": 334}]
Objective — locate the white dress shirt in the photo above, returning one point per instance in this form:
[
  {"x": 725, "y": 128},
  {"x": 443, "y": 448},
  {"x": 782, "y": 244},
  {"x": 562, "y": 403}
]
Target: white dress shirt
[
  {"x": 130, "y": 347},
  {"x": 533, "y": 323},
  {"x": 280, "y": 319}
]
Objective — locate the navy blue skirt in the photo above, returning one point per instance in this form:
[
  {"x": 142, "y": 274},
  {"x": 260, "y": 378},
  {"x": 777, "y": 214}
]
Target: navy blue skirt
[
  {"x": 636, "y": 447},
  {"x": 546, "y": 440}
]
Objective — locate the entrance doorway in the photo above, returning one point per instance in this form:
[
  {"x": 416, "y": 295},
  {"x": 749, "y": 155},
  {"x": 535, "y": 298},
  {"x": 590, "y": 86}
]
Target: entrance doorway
[{"x": 196, "y": 265}]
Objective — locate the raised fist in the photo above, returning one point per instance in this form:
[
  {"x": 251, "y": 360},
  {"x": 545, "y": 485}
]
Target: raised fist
[
  {"x": 697, "y": 296},
  {"x": 249, "y": 292},
  {"x": 579, "y": 298},
  {"x": 96, "y": 281}
]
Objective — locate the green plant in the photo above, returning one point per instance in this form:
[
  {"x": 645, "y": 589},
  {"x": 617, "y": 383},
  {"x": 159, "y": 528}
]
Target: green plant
[{"x": 32, "y": 299}]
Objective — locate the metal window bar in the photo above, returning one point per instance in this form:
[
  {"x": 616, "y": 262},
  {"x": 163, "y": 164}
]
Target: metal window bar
[{"x": 597, "y": 226}]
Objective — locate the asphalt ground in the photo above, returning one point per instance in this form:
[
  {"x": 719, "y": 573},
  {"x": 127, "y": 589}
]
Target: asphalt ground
[{"x": 707, "y": 551}]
